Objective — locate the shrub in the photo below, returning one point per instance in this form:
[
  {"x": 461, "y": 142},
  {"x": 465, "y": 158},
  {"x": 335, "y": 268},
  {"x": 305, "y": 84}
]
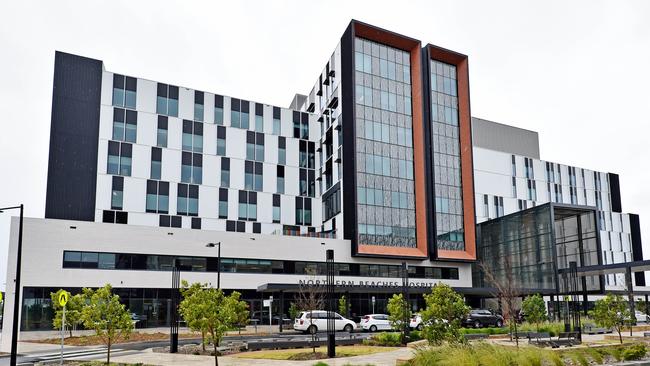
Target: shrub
[
  {"x": 320, "y": 363},
  {"x": 595, "y": 355},
  {"x": 634, "y": 352},
  {"x": 414, "y": 335},
  {"x": 388, "y": 339}
]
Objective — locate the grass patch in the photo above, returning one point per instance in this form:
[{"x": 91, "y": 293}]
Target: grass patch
[
  {"x": 489, "y": 354},
  {"x": 295, "y": 354},
  {"x": 93, "y": 340},
  {"x": 100, "y": 363}
]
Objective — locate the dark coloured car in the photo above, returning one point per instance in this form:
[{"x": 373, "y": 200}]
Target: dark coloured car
[{"x": 483, "y": 318}]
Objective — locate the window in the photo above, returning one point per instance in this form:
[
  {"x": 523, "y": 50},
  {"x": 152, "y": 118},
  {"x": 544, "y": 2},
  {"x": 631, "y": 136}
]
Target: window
[
  {"x": 303, "y": 211},
  {"x": 276, "y": 208},
  {"x": 225, "y": 172},
  {"x": 282, "y": 150},
  {"x": 115, "y": 217},
  {"x": 307, "y": 183},
  {"x": 514, "y": 166},
  {"x": 198, "y": 106},
  {"x": 191, "y": 168},
  {"x": 196, "y": 223},
  {"x": 161, "y": 138},
  {"x": 259, "y": 117},
  {"x": 223, "y": 203},
  {"x": 296, "y": 124},
  {"x": 280, "y": 179},
  {"x": 523, "y": 204},
  {"x": 307, "y": 154},
  {"x": 157, "y": 197},
  {"x": 192, "y": 136},
  {"x": 277, "y": 124},
  {"x": 532, "y": 194},
  {"x": 304, "y": 123},
  {"x": 514, "y": 187},
  {"x": 254, "y": 146},
  {"x": 247, "y": 205},
  {"x": 332, "y": 203},
  {"x": 124, "y": 91},
  {"x": 235, "y": 226},
  {"x": 218, "y": 109},
  {"x": 119, "y": 158},
  {"x": 167, "y": 100},
  {"x": 528, "y": 163},
  {"x": 156, "y": 162},
  {"x": 253, "y": 176},
  {"x": 188, "y": 200},
  {"x": 117, "y": 193},
  {"x": 239, "y": 114},
  {"x": 486, "y": 206},
  {"x": 170, "y": 221},
  {"x": 257, "y": 228},
  {"x": 221, "y": 140},
  {"x": 498, "y": 205},
  {"x": 124, "y": 125}
]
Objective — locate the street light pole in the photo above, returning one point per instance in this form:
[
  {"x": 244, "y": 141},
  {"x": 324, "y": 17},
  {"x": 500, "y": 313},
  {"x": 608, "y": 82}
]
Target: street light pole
[
  {"x": 19, "y": 249},
  {"x": 218, "y": 245}
]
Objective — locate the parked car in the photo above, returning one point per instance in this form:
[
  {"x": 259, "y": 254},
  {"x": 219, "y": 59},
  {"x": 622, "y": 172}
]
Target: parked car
[
  {"x": 316, "y": 320},
  {"x": 416, "y": 322},
  {"x": 375, "y": 322},
  {"x": 640, "y": 316},
  {"x": 479, "y": 318}
]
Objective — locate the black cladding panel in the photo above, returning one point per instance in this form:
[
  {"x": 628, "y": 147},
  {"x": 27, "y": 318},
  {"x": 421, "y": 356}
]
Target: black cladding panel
[{"x": 74, "y": 136}]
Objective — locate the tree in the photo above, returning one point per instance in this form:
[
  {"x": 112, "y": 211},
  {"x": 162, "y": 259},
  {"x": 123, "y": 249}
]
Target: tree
[
  {"x": 343, "y": 305},
  {"x": 507, "y": 290},
  {"x": 442, "y": 317},
  {"x": 211, "y": 311},
  {"x": 242, "y": 313},
  {"x": 293, "y": 311},
  {"x": 398, "y": 313},
  {"x": 612, "y": 312},
  {"x": 192, "y": 303},
  {"x": 310, "y": 297},
  {"x": 535, "y": 309},
  {"x": 72, "y": 311},
  {"x": 106, "y": 315}
]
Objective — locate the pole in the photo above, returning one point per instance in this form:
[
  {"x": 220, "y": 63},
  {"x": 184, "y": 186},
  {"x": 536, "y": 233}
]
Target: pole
[
  {"x": 405, "y": 292},
  {"x": 331, "y": 325},
  {"x": 62, "y": 334},
  {"x": 173, "y": 331},
  {"x": 219, "y": 265},
  {"x": 14, "y": 332}
]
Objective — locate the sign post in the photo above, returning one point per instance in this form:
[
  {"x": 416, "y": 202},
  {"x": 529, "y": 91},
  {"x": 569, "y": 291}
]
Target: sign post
[
  {"x": 373, "y": 304},
  {"x": 269, "y": 303},
  {"x": 64, "y": 296}
]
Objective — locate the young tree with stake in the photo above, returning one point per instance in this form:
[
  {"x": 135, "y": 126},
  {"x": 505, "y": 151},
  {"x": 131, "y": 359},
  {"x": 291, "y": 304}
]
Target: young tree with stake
[{"x": 105, "y": 314}]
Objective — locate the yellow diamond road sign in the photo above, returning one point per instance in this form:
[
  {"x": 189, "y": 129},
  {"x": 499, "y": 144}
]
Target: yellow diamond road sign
[{"x": 63, "y": 298}]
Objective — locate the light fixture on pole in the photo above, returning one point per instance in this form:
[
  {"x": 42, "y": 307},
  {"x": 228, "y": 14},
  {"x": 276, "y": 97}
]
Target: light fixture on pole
[{"x": 218, "y": 245}]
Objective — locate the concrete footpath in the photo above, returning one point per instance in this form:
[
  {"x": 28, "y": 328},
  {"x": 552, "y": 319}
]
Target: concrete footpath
[{"x": 164, "y": 359}]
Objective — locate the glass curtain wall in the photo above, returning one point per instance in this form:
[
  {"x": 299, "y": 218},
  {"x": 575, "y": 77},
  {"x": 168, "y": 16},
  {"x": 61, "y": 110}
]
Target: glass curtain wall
[{"x": 384, "y": 145}]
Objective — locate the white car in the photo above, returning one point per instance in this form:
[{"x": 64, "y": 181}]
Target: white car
[
  {"x": 375, "y": 322},
  {"x": 316, "y": 320},
  {"x": 640, "y": 316},
  {"x": 416, "y": 322}
]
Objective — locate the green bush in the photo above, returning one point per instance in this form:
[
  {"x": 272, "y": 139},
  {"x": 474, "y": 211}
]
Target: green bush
[
  {"x": 320, "y": 363},
  {"x": 414, "y": 335},
  {"x": 634, "y": 352},
  {"x": 488, "y": 331},
  {"x": 553, "y": 328},
  {"x": 388, "y": 339}
]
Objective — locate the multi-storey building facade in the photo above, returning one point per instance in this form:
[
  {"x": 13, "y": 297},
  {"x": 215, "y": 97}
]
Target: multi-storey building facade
[
  {"x": 510, "y": 177},
  {"x": 375, "y": 162}
]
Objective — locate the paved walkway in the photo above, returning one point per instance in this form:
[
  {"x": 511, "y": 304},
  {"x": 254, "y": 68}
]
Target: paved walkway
[{"x": 164, "y": 359}]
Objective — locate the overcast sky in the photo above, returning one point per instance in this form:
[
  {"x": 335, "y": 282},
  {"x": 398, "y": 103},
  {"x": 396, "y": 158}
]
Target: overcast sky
[{"x": 575, "y": 71}]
